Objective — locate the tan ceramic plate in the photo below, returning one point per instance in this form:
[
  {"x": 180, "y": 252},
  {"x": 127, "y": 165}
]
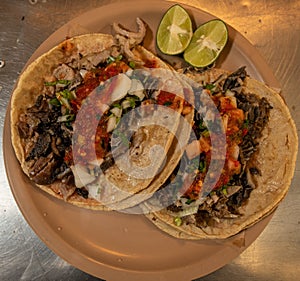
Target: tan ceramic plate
[{"x": 116, "y": 246}]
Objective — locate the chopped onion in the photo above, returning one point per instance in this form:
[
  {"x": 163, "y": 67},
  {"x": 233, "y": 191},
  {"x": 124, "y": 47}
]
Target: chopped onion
[
  {"x": 193, "y": 149},
  {"x": 102, "y": 106},
  {"x": 225, "y": 121},
  {"x": 111, "y": 124},
  {"x": 215, "y": 197},
  {"x": 83, "y": 72},
  {"x": 210, "y": 116},
  {"x": 140, "y": 94},
  {"x": 66, "y": 118},
  {"x": 188, "y": 211},
  {"x": 94, "y": 190},
  {"x": 137, "y": 89},
  {"x": 125, "y": 104},
  {"x": 81, "y": 175},
  {"x": 96, "y": 162},
  {"x": 235, "y": 151},
  {"x": 116, "y": 111},
  {"x": 229, "y": 93},
  {"x": 123, "y": 84}
]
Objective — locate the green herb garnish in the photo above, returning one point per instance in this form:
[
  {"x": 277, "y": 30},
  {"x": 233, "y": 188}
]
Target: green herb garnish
[
  {"x": 201, "y": 125},
  {"x": 178, "y": 221},
  {"x": 168, "y": 103},
  {"x": 54, "y": 102},
  {"x": 132, "y": 64},
  {"x": 202, "y": 166},
  {"x": 53, "y": 83},
  {"x": 209, "y": 86},
  {"x": 189, "y": 201}
]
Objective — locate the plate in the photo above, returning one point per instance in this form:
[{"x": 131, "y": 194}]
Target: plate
[{"x": 119, "y": 246}]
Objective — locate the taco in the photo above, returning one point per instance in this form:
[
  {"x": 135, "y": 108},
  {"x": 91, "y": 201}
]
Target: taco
[
  {"x": 254, "y": 173},
  {"x": 66, "y": 109},
  {"x": 173, "y": 156}
]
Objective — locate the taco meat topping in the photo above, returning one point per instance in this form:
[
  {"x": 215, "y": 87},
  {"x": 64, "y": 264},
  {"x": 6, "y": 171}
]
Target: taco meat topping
[
  {"x": 244, "y": 116},
  {"x": 75, "y": 94}
]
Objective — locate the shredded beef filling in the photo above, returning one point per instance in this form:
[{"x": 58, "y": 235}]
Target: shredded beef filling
[
  {"x": 47, "y": 142},
  {"x": 226, "y": 201}
]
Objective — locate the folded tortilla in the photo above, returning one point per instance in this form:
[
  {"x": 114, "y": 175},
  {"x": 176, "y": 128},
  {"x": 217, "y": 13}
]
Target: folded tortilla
[
  {"x": 275, "y": 158},
  {"x": 119, "y": 184}
]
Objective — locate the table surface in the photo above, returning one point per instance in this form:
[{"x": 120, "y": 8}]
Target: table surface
[{"x": 272, "y": 26}]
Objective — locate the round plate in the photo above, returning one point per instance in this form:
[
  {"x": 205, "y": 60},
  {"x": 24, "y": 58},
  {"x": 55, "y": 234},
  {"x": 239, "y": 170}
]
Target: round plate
[{"x": 118, "y": 246}]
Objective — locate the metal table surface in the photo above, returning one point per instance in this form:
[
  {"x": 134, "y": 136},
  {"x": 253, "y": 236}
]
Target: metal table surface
[{"x": 272, "y": 26}]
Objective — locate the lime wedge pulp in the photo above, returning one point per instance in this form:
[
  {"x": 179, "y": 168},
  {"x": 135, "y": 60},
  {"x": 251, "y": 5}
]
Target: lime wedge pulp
[
  {"x": 175, "y": 31},
  {"x": 207, "y": 43}
]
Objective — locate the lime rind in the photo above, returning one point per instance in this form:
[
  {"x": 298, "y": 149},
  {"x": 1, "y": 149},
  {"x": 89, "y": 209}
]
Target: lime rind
[{"x": 175, "y": 31}]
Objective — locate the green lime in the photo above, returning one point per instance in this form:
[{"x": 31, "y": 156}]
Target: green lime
[
  {"x": 175, "y": 31},
  {"x": 207, "y": 43}
]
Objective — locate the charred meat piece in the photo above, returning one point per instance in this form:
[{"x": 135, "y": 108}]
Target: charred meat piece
[
  {"x": 41, "y": 147},
  {"x": 235, "y": 80},
  {"x": 24, "y": 130},
  {"x": 257, "y": 111},
  {"x": 107, "y": 163},
  {"x": 82, "y": 192},
  {"x": 43, "y": 169},
  {"x": 64, "y": 72}
]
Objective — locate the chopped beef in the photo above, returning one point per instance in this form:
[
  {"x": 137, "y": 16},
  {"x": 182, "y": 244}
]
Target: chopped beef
[
  {"x": 82, "y": 192},
  {"x": 64, "y": 72},
  {"x": 234, "y": 81},
  {"x": 41, "y": 146},
  {"x": 225, "y": 202},
  {"x": 46, "y": 127},
  {"x": 174, "y": 208},
  {"x": 203, "y": 218},
  {"x": 43, "y": 169},
  {"x": 46, "y": 141},
  {"x": 107, "y": 163},
  {"x": 23, "y": 130},
  {"x": 254, "y": 171},
  {"x": 257, "y": 112}
]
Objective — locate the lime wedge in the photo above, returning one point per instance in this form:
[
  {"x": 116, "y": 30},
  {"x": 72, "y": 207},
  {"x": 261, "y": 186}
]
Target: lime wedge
[
  {"x": 207, "y": 43},
  {"x": 175, "y": 31}
]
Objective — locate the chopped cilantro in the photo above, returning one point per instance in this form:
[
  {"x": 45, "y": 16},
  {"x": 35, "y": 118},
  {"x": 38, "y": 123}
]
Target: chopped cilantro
[
  {"x": 132, "y": 64},
  {"x": 54, "y": 102},
  {"x": 189, "y": 201},
  {"x": 53, "y": 83},
  {"x": 167, "y": 103},
  {"x": 202, "y": 166},
  {"x": 209, "y": 86},
  {"x": 178, "y": 221}
]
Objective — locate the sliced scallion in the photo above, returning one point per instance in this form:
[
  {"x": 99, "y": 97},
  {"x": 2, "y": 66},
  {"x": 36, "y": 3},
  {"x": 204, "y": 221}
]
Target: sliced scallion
[
  {"x": 111, "y": 124},
  {"x": 167, "y": 103},
  {"x": 117, "y": 111},
  {"x": 125, "y": 104},
  {"x": 132, "y": 64},
  {"x": 209, "y": 86},
  {"x": 54, "y": 102},
  {"x": 202, "y": 166},
  {"x": 178, "y": 221},
  {"x": 53, "y": 83}
]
